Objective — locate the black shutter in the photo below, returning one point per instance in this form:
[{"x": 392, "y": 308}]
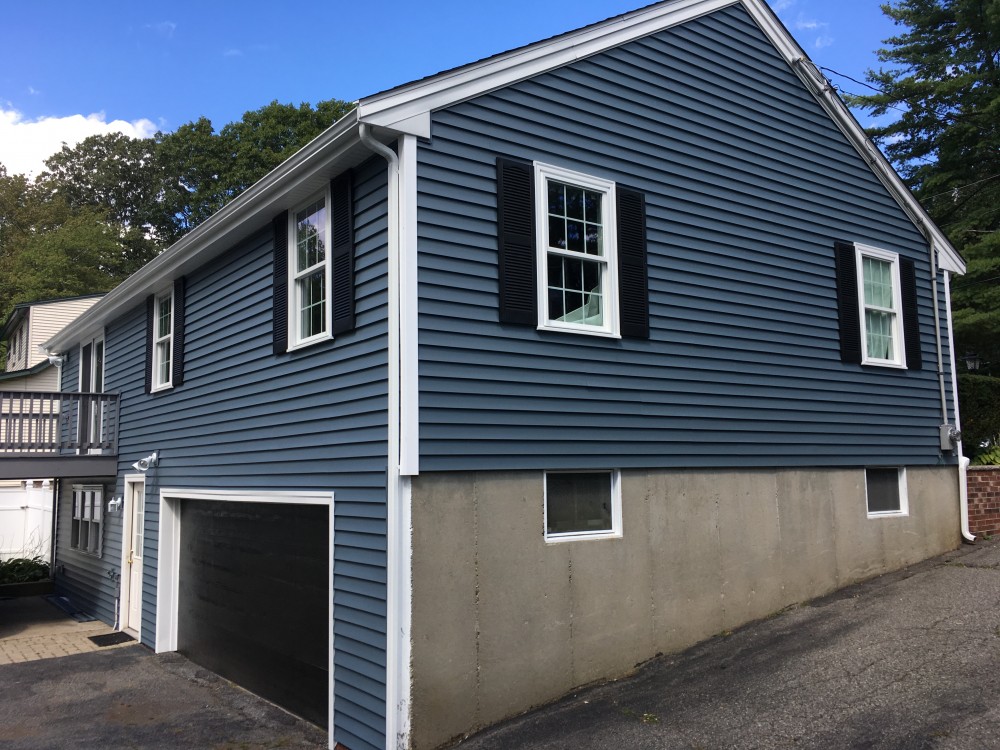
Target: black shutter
[
  {"x": 633, "y": 278},
  {"x": 150, "y": 316},
  {"x": 279, "y": 293},
  {"x": 342, "y": 215},
  {"x": 177, "y": 356},
  {"x": 516, "y": 241},
  {"x": 847, "y": 303},
  {"x": 911, "y": 323}
]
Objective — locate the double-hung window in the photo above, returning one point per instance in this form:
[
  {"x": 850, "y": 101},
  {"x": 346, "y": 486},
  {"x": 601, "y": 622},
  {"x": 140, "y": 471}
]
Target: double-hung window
[
  {"x": 576, "y": 244},
  {"x": 880, "y": 306},
  {"x": 310, "y": 273},
  {"x": 877, "y": 307},
  {"x": 85, "y": 532},
  {"x": 163, "y": 340}
]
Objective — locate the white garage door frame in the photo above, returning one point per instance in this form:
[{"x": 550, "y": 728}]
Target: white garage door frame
[{"x": 168, "y": 568}]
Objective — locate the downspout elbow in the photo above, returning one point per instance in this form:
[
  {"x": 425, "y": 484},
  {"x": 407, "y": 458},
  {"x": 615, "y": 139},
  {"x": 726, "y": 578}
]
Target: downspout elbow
[
  {"x": 365, "y": 134},
  {"x": 963, "y": 495}
]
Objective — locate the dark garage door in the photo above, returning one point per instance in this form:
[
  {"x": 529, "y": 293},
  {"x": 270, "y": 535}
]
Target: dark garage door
[{"x": 253, "y": 598}]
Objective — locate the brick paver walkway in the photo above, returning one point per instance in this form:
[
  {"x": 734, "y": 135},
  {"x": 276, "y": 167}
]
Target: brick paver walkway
[{"x": 31, "y": 628}]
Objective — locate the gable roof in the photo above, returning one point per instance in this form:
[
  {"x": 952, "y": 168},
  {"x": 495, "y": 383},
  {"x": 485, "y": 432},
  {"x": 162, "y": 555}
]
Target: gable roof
[{"x": 406, "y": 109}]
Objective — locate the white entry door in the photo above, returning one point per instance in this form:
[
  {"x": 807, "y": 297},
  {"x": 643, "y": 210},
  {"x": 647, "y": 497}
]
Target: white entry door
[{"x": 132, "y": 579}]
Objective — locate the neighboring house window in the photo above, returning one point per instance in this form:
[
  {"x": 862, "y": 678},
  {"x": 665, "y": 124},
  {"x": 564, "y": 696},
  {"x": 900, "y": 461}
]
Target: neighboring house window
[
  {"x": 885, "y": 490},
  {"x": 309, "y": 266},
  {"x": 877, "y": 307},
  {"x": 163, "y": 340},
  {"x": 582, "y": 505},
  {"x": 577, "y": 252},
  {"x": 572, "y": 251},
  {"x": 86, "y": 529},
  {"x": 313, "y": 284},
  {"x": 165, "y": 314}
]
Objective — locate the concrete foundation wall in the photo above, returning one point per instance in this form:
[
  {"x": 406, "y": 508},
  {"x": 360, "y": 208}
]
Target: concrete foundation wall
[{"x": 503, "y": 621}]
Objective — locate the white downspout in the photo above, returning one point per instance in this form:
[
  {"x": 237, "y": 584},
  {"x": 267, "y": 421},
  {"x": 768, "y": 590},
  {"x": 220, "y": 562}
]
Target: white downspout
[
  {"x": 963, "y": 461},
  {"x": 397, "y": 703}
]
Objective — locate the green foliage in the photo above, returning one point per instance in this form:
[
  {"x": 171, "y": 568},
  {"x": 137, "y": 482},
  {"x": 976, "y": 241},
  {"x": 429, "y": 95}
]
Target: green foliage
[
  {"x": 110, "y": 204},
  {"x": 23, "y": 570},
  {"x": 979, "y": 397}
]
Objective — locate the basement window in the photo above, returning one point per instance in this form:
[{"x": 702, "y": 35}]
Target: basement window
[
  {"x": 582, "y": 505},
  {"x": 885, "y": 490}
]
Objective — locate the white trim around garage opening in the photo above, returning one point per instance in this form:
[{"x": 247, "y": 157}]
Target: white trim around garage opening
[{"x": 168, "y": 586}]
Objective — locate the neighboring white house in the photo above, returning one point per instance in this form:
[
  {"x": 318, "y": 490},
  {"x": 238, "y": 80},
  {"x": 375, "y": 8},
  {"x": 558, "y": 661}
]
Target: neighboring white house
[{"x": 26, "y": 505}]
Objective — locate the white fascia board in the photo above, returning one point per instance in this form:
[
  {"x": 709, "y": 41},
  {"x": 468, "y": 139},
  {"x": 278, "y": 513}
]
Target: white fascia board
[
  {"x": 808, "y": 73},
  {"x": 422, "y": 97},
  {"x": 261, "y": 199}
]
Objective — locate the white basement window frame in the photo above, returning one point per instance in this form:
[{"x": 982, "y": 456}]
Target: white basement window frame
[
  {"x": 577, "y": 252},
  {"x": 886, "y": 491},
  {"x": 880, "y": 307},
  {"x": 566, "y": 515},
  {"x": 163, "y": 341},
  {"x": 310, "y": 272}
]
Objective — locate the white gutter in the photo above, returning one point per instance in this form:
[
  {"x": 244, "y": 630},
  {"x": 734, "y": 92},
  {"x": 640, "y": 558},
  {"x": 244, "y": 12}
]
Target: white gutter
[
  {"x": 963, "y": 462},
  {"x": 398, "y": 542}
]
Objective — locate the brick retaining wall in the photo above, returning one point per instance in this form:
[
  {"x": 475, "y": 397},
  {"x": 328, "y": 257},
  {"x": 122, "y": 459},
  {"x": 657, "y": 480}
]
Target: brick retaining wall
[{"x": 984, "y": 500}]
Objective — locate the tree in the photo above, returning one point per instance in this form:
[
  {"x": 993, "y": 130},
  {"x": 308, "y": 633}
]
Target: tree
[
  {"x": 265, "y": 137},
  {"x": 122, "y": 178},
  {"x": 943, "y": 91}
]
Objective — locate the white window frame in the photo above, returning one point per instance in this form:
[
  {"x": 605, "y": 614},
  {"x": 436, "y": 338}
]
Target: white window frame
[
  {"x": 899, "y": 360},
  {"x": 295, "y": 338},
  {"x": 158, "y": 383},
  {"x": 609, "y": 275},
  {"x": 77, "y": 520},
  {"x": 615, "y": 532},
  {"x": 904, "y": 504}
]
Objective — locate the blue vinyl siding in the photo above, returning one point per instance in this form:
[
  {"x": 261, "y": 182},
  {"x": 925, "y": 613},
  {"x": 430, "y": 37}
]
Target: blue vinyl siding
[
  {"x": 89, "y": 581},
  {"x": 748, "y": 183},
  {"x": 314, "y": 419}
]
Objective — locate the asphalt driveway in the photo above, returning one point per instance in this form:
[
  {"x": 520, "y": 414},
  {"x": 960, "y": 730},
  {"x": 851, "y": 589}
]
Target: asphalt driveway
[
  {"x": 907, "y": 660},
  {"x": 128, "y": 697}
]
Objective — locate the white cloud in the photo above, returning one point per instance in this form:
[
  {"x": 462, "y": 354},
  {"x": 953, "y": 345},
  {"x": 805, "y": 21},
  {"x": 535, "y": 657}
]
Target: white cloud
[
  {"x": 808, "y": 25},
  {"x": 823, "y": 41},
  {"x": 780, "y": 5},
  {"x": 165, "y": 29},
  {"x": 25, "y": 144}
]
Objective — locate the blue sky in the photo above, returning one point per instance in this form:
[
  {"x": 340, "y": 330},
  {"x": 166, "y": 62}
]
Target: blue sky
[{"x": 69, "y": 69}]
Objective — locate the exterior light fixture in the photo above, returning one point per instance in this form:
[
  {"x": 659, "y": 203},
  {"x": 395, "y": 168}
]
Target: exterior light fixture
[
  {"x": 972, "y": 361},
  {"x": 144, "y": 463}
]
